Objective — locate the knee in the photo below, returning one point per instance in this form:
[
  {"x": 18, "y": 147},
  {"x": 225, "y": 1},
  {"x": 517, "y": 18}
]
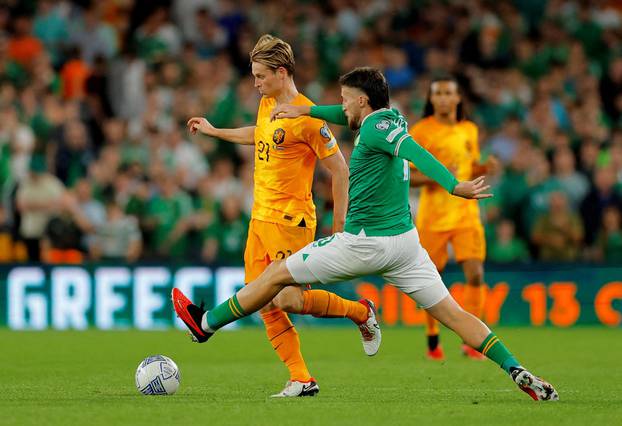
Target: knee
[
  {"x": 290, "y": 299},
  {"x": 449, "y": 312},
  {"x": 278, "y": 273}
]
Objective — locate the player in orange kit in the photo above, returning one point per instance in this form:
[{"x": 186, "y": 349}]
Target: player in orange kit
[
  {"x": 441, "y": 218},
  {"x": 283, "y": 217}
]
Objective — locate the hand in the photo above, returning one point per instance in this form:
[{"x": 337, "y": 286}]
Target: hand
[
  {"x": 472, "y": 189},
  {"x": 201, "y": 124},
  {"x": 289, "y": 111}
]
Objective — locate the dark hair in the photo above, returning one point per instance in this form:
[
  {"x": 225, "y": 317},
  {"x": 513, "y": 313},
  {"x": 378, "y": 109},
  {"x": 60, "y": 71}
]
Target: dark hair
[
  {"x": 428, "y": 109},
  {"x": 371, "y": 82}
]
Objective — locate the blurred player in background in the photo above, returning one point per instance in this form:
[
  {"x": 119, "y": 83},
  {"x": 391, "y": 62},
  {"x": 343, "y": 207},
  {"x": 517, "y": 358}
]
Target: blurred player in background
[
  {"x": 283, "y": 216},
  {"x": 442, "y": 218}
]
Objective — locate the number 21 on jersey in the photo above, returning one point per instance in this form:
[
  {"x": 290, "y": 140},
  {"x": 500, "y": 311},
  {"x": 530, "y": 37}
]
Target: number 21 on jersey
[{"x": 263, "y": 151}]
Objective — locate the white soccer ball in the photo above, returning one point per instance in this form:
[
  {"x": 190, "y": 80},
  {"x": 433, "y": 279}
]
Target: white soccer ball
[{"x": 157, "y": 375}]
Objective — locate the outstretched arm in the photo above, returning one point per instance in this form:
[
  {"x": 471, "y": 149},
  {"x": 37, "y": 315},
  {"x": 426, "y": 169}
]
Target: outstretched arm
[
  {"x": 242, "y": 135},
  {"x": 330, "y": 113},
  {"x": 425, "y": 162}
]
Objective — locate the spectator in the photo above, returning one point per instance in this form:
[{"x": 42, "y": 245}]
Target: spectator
[
  {"x": 574, "y": 184},
  {"x": 39, "y": 197},
  {"x": 118, "y": 238},
  {"x": 398, "y": 73},
  {"x": 601, "y": 196},
  {"x": 506, "y": 247},
  {"x": 167, "y": 214},
  {"x": 137, "y": 206},
  {"x": 11, "y": 249},
  {"x": 225, "y": 239},
  {"x": 23, "y": 47},
  {"x": 210, "y": 38},
  {"x": 92, "y": 36},
  {"x": 74, "y": 153},
  {"x": 224, "y": 179},
  {"x": 611, "y": 90},
  {"x": 540, "y": 187},
  {"x": 50, "y": 26},
  {"x": 157, "y": 37},
  {"x": 609, "y": 241},
  {"x": 19, "y": 142},
  {"x": 74, "y": 75},
  {"x": 127, "y": 86},
  {"x": 558, "y": 234},
  {"x": 89, "y": 208},
  {"x": 97, "y": 85},
  {"x": 64, "y": 233},
  {"x": 183, "y": 159}
]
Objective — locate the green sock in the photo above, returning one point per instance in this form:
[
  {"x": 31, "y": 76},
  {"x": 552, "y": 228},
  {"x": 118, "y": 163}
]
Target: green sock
[
  {"x": 223, "y": 314},
  {"x": 496, "y": 351}
]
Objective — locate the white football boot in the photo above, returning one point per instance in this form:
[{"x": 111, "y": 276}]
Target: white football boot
[
  {"x": 534, "y": 386},
  {"x": 370, "y": 330},
  {"x": 295, "y": 388}
]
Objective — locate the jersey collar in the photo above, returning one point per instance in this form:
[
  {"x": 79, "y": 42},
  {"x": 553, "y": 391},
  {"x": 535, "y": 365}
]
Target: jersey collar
[{"x": 375, "y": 112}]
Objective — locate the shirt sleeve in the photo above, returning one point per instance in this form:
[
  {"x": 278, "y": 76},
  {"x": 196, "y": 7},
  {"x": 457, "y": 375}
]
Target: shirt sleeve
[
  {"x": 331, "y": 113},
  {"x": 396, "y": 141},
  {"x": 318, "y": 136}
]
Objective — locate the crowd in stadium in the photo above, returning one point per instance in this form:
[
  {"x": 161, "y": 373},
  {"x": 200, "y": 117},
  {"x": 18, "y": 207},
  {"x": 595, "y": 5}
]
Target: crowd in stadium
[{"x": 96, "y": 162}]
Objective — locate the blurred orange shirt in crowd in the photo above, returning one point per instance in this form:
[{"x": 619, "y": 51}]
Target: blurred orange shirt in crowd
[
  {"x": 24, "y": 50},
  {"x": 74, "y": 75}
]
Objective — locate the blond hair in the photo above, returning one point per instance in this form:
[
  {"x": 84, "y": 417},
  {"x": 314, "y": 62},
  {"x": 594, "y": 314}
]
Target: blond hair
[{"x": 274, "y": 53}]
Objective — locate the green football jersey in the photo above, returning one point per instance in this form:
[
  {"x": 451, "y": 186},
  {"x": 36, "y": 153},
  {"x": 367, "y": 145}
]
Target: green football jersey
[
  {"x": 379, "y": 180},
  {"x": 380, "y": 172}
]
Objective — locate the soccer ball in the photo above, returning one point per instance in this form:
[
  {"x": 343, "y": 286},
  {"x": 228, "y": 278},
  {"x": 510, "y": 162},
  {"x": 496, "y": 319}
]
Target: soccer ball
[{"x": 157, "y": 375}]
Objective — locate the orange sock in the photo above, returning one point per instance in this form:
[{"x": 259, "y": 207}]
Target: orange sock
[
  {"x": 473, "y": 300},
  {"x": 431, "y": 325},
  {"x": 284, "y": 339},
  {"x": 323, "y": 304}
]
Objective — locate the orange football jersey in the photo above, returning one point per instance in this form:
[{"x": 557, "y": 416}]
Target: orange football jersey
[
  {"x": 285, "y": 154},
  {"x": 457, "y": 147}
]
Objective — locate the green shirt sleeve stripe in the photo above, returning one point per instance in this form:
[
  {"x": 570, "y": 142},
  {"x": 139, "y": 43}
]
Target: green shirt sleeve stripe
[
  {"x": 399, "y": 142},
  {"x": 394, "y": 134}
]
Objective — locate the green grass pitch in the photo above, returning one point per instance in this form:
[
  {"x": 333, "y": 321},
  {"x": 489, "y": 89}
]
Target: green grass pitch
[{"x": 64, "y": 378}]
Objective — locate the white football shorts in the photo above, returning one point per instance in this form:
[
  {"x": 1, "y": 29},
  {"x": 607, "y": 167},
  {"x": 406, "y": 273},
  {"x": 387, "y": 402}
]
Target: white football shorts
[{"x": 399, "y": 259}]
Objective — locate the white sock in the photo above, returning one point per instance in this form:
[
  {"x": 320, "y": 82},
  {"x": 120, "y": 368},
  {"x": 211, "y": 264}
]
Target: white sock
[{"x": 204, "y": 324}]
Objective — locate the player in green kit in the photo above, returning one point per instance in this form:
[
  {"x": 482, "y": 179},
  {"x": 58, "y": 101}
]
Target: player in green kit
[{"x": 379, "y": 236}]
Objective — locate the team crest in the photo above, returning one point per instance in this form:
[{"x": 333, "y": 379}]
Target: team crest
[
  {"x": 383, "y": 125},
  {"x": 325, "y": 132},
  {"x": 279, "y": 136}
]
